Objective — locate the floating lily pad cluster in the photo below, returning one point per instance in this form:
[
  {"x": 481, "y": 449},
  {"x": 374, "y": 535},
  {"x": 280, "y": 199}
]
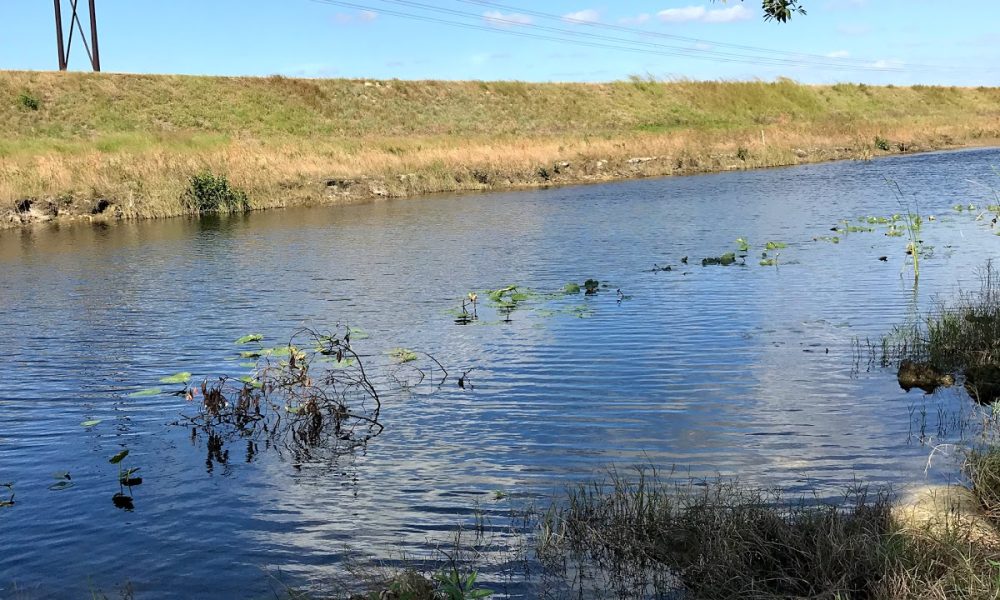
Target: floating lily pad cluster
[{"x": 506, "y": 300}]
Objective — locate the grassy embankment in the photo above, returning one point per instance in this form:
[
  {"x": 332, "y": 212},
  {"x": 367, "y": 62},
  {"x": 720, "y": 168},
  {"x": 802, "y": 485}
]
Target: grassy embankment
[{"x": 69, "y": 141}]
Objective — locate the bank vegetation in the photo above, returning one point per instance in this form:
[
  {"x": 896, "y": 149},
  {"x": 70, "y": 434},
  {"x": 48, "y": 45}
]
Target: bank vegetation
[{"x": 107, "y": 146}]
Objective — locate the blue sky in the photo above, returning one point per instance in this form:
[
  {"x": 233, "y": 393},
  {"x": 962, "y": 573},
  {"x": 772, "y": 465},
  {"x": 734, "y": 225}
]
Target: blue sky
[{"x": 875, "y": 41}]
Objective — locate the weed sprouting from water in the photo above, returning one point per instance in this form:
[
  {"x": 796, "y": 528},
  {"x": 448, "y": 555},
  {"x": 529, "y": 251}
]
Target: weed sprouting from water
[
  {"x": 963, "y": 338},
  {"x": 8, "y": 494},
  {"x": 720, "y": 540},
  {"x": 465, "y": 317},
  {"x": 126, "y": 479},
  {"x": 911, "y": 225},
  {"x": 311, "y": 395}
]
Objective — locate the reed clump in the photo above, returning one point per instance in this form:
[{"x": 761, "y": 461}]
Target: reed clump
[
  {"x": 961, "y": 339},
  {"x": 638, "y": 537}
]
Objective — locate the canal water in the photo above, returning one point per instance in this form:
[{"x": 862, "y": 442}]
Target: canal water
[{"x": 743, "y": 370}]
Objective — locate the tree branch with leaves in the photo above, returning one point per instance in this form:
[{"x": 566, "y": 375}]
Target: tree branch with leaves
[{"x": 781, "y": 10}]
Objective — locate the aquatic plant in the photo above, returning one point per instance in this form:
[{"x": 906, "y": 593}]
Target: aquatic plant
[
  {"x": 125, "y": 476},
  {"x": 209, "y": 193},
  {"x": 312, "y": 395},
  {"x": 182, "y": 377},
  {"x": 8, "y": 498},
  {"x": 63, "y": 481},
  {"x": 775, "y": 245},
  {"x": 453, "y": 585},
  {"x": 249, "y": 338},
  {"x": 403, "y": 355},
  {"x": 464, "y": 317},
  {"x": 962, "y": 338},
  {"x": 742, "y": 244},
  {"x": 911, "y": 225},
  {"x": 719, "y": 540},
  {"x": 725, "y": 260},
  {"x": 591, "y": 286},
  {"x": 571, "y": 288},
  {"x": 507, "y": 299}
]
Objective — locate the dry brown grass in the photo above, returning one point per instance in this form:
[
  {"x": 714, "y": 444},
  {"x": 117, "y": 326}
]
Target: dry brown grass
[{"x": 136, "y": 140}]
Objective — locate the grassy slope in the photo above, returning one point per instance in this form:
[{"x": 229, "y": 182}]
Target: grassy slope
[{"x": 136, "y": 139}]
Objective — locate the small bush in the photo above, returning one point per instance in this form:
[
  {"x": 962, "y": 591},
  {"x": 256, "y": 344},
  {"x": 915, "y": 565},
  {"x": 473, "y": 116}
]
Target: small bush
[
  {"x": 28, "y": 102},
  {"x": 208, "y": 192},
  {"x": 881, "y": 143},
  {"x": 742, "y": 153}
]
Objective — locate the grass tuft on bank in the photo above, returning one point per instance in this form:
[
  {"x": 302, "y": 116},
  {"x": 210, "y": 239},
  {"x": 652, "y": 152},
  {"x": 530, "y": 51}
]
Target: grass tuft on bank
[{"x": 638, "y": 537}]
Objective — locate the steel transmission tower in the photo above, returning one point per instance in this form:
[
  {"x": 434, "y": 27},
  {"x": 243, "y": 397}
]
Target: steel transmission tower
[{"x": 93, "y": 51}]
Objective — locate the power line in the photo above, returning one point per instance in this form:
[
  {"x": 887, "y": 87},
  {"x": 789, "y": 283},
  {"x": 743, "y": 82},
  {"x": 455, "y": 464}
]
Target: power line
[
  {"x": 597, "y": 40},
  {"x": 821, "y": 61},
  {"x": 659, "y": 34}
]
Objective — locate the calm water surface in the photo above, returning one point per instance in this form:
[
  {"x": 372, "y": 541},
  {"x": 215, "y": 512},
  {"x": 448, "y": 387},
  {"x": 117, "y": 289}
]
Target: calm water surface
[{"x": 734, "y": 371}]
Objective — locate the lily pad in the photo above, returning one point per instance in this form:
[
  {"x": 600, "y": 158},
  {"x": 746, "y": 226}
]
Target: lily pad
[
  {"x": 358, "y": 334},
  {"x": 403, "y": 355},
  {"x": 146, "y": 393},
  {"x": 251, "y": 337},
  {"x": 61, "y": 485},
  {"x": 90, "y": 423},
  {"x": 252, "y": 382},
  {"x": 117, "y": 458},
  {"x": 182, "y": 377}
]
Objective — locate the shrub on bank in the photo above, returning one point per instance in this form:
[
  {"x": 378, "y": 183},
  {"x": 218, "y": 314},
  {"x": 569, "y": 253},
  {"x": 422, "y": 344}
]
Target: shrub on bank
[{"x": 208, "y": 193}]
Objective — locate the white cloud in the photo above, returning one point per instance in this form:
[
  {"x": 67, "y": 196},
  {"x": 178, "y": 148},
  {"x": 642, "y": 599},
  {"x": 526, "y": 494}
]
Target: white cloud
[
  {"x": 838, "y": 54},
  {"x": 499, "y": 19},
  {"x": 728, "y": 15},
  {"x": 680, "y": 15},
  {"x": 705, "y": 15},
  {"x": 636, "y": 20},
  {"x": 587, "y": 15},
  {"x": 363, "y": 16}
]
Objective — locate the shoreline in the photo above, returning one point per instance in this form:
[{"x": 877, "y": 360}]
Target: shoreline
[{"x": 361, "y": 190}]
